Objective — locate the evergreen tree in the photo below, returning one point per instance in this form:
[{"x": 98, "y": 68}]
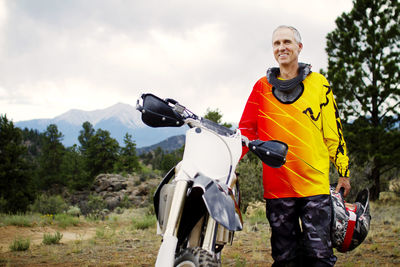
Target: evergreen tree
[
  {"x": 84, "y": 136},
  {"x": 147, "y": 158},
  {"x": 74, "y": 169},
  {"x": 157, "y": 158},
  {"x": 363, "y": 69},
  {"x": 216, "y": 116},
  {"x": 33, "y": 141},
  {"x": 169, "y": 160},
  {"x": 51, "y": 158},
  {"x": 15, "y": 174},
  {"x": 101, "y": 153},
  {"x": 128, "y": 160}
]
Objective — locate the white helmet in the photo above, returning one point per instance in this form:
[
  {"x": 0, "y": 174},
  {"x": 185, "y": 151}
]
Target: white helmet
[{"x": 350, "y": 222}]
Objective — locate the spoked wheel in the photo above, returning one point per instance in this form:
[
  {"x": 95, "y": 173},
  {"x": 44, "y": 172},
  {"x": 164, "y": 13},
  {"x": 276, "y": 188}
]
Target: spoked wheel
[{"x": 196, "y": 257}]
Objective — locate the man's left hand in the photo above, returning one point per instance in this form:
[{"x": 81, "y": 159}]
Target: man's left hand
[{"x": 345, "y": 183}]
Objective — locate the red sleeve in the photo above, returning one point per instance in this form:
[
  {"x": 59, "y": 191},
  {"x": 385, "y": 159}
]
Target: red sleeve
[{"x": 248, "y": 122}]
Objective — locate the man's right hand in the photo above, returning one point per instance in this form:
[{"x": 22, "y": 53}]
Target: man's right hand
[{"x": 345, "y": 183}]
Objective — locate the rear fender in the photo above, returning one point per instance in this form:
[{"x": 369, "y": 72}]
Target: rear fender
[{"x": 220, "y": 202}]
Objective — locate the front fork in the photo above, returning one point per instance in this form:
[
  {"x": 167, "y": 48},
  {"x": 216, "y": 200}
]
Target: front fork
[
  {"x": 166, "y": 254},
  {"x": 209, "y": 235}
]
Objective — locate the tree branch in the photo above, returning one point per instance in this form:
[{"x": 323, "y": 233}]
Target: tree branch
[{"x": 388, "y": 110}]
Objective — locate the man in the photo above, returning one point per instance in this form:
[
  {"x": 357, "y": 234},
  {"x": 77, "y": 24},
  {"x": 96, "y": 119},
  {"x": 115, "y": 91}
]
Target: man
[{"x": 296, "y": 106}]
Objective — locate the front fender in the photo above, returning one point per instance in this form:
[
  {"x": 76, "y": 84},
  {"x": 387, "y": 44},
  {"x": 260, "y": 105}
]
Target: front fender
[
  {"x": 156, "y": 197},
  {"x": 220, "y": 202}
]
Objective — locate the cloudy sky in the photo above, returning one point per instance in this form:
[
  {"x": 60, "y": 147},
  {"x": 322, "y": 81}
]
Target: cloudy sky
[{"x": 90, "y": 54}]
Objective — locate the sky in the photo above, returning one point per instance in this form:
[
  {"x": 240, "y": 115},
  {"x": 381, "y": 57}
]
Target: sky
[{"x": 91, "y": 54}]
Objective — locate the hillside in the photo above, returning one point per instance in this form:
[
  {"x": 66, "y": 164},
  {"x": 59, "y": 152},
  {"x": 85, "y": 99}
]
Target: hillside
[{"x": 168, "y": 145}]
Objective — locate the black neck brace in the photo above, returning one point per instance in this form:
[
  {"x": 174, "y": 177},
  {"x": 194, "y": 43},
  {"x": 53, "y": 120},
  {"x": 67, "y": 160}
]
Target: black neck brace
[{"x": 288, "y": 85}]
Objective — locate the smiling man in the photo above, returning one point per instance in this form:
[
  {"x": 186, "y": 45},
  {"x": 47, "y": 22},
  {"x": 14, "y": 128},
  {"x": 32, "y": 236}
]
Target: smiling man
[{"x": 295, "y": 105}]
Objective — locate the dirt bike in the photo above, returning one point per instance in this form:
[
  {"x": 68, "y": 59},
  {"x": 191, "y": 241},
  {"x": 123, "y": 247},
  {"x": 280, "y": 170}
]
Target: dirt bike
[{"x": 197, "y": 202}]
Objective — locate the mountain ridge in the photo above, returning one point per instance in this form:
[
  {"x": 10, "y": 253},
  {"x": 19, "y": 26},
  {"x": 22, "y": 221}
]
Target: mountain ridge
[
  {"x": 168, "y": 145},
  {"x": 118, "y": 119},
  {"x": 124, "y": 112}
]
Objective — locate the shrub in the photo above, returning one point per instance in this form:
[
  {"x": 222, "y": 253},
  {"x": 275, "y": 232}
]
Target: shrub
[
  {"x": 49, "y": 239},
  {"x": 49, "y": 204},
  {"x": 125, "y": 203},
  {"x": 255, "y": 213},
  {"x": 17, "y": 220},
  {"x": 20, "y": 244},
  {"x": 64, "y": 220},
  {"x": 105, "y": 232},
  {"x": 119, "y": 210},
  {"x": 74, "y": 211},
  {"x": 144, "y": 222},
  {"x": 47, "y": 219},
  {"x": 95, "y": 205}
]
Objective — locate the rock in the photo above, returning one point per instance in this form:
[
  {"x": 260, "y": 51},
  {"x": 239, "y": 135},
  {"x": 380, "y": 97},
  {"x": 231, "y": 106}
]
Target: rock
[
  {"x": 394, "y": 186},
  {"x": 119, "y": 186},
  {"x": 112, "y": 202},
  {"x": 388, "y": 197},
  {"x": 115, "y": 189}
]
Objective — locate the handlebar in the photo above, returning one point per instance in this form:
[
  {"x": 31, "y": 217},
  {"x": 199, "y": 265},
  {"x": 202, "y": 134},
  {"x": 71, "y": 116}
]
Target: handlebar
[{"x": 157, "y": 112}]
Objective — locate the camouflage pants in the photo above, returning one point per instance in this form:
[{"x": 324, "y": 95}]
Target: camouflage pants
[{"x": 308, "y": 244}]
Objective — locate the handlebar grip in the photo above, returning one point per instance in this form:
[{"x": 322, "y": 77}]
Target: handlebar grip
[{"x": 170, "y": 100}]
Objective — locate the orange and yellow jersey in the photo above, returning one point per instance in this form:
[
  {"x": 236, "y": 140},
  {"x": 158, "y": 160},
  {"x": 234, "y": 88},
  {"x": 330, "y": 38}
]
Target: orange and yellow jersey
[{"x": 312, "y": 129}]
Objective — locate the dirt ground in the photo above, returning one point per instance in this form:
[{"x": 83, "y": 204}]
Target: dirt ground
[
  {"x": 35, "y": 234},
  {"x": 116, "y": 243}
]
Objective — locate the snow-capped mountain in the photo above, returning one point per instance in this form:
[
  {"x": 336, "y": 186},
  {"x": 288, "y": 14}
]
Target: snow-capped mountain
[
  {"x": 124, "y": 113},
  {"x": 118, "y": 119}
]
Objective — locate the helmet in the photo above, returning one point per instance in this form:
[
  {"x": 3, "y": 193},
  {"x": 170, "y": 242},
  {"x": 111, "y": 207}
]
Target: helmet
[{"x": 350, "y": 222}]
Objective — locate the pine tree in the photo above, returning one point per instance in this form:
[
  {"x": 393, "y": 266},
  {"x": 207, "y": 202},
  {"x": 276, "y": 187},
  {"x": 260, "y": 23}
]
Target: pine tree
[
  {"x": 15, "y": 174},
  {"x": 51, "y": 158},
  {"x": 216, "y": 116},
  {"x": 364, "y": 72},
  {"x": 128, "y": 160},
  {"x": 102, "y": 153},
  {"x": 74, "y": 169},
  {"x": 85, "y": 134}
]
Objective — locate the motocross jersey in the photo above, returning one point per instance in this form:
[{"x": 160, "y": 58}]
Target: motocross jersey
[{"x": 311, "y": 127}]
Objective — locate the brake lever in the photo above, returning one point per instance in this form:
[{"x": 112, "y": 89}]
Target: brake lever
[{"x": 179, "y": 108}]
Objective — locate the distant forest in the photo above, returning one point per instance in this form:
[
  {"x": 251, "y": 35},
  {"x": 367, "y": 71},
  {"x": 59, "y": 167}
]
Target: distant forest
[{"x": 32, "y": 162}]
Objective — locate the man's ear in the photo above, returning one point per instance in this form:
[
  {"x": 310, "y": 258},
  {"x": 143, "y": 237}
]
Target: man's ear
[{"x": 300, "y": 47}]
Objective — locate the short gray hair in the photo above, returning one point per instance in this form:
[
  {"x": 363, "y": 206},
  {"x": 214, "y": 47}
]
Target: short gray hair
[{"x": 296, "y": 33}]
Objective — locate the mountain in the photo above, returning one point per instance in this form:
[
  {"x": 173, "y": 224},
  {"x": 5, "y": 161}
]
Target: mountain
[
  {"x": 168, "y": 145},
  {"x": 122, "y": 113},
  {"x": 118, "y": 119}
]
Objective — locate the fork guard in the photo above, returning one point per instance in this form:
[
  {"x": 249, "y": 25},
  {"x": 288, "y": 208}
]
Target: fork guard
[{"x": 220, "y": 202}]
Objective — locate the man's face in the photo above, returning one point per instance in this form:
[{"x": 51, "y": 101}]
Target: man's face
[{"x": 286, "y": 49}]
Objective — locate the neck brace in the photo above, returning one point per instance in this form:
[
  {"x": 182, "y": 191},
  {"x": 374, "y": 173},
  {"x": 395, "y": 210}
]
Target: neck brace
[{"x": 288, "y": 91}]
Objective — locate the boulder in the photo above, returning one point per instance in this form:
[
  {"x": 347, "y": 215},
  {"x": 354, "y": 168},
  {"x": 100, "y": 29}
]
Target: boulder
[{"x": 115, "y": 188}]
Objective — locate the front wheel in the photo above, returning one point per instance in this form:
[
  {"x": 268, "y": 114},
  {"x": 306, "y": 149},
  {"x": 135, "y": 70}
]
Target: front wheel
[{"x": 196, "y": 257}]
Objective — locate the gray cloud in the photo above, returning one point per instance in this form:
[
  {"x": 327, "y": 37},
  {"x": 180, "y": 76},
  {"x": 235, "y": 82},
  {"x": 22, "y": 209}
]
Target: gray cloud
[{"x": 58, "y": 55}]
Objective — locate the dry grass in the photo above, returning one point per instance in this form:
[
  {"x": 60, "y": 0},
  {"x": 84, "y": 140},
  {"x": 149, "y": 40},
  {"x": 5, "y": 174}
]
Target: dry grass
[{"x": 118, "y": 241}]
